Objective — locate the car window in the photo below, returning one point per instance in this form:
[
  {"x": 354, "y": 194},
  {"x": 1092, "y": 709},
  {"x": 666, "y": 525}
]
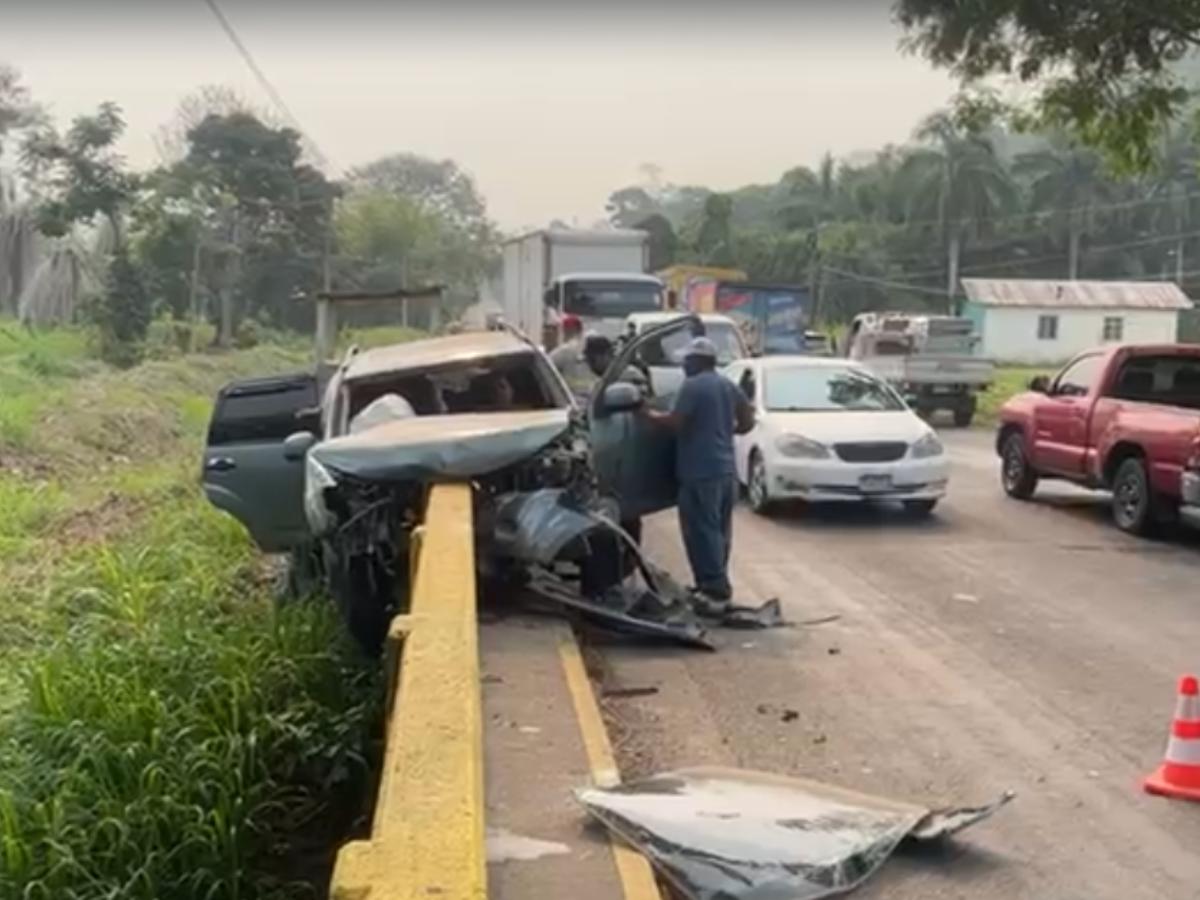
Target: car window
[
  {"x": 1173, "y": 380},
  {"x": 1077, "y": 378},
  {"x": 262, "y": 413},
  {"x": 670, "y": 349},
  {"x": 832, "y": 389}
]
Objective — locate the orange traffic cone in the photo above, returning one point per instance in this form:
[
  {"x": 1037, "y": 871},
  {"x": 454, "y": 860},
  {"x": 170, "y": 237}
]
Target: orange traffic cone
[{"x": 1179, "y": 775}]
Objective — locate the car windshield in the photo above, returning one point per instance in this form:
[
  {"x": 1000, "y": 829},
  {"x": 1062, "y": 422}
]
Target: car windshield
[
  {"x": 611, "y": 299},
  {"x": 723, "y": 334},
  {"x": 802, "y": 389}
]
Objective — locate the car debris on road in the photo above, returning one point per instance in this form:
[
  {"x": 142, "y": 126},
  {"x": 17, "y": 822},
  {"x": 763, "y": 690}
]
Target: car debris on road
[{"x": 732, "y": 834}]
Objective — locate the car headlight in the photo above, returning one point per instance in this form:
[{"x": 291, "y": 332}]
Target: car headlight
[
  {"x": 928, "y": 445},
  {"x": 801, "y": 447}
]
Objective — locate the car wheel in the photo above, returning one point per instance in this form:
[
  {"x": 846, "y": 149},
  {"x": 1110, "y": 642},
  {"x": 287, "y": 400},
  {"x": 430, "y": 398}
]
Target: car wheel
[
  {"x": 1016, "y": 474},
  {"x": 1132, "y": 501},
  {"x": 758, "y": 491},
  {"x": 920, "y": 509}
]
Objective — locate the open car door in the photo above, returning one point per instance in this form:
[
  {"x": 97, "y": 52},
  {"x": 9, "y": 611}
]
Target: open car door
[
  {"x": 245, "y": 470},
  {"x": 635, "y": 458}
]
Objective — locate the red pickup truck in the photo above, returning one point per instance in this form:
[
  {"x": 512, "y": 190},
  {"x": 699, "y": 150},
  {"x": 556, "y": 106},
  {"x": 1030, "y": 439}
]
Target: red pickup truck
[{"x": 1124, "y": 419}]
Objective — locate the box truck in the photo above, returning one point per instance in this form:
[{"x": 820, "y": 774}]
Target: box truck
[{"x": 597, "y": 275}]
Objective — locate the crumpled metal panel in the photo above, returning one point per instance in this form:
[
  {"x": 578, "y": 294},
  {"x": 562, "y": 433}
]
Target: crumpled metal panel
[
  {"x": 536, "y": 526},
  {"x": 454, "y": 446},
  {"x": 727, "y": 834}
]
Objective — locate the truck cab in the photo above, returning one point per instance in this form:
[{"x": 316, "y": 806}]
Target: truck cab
[{"x": 602, "y": 300}]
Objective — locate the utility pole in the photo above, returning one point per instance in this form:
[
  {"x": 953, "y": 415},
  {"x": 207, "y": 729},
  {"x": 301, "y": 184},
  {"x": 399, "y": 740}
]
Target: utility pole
[{"x": 325, "y": 337}]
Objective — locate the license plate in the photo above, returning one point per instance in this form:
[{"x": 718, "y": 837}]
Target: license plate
[{"x": 873, "y": 484}]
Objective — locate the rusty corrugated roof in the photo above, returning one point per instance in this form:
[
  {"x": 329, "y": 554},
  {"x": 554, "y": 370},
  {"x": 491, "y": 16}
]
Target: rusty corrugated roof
[{"x": 1077, "y": 294}]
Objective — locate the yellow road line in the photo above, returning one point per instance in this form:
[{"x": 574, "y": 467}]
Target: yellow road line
[
  {"x": 427, "y": 838},
  {"x": 637, "y": 878}
]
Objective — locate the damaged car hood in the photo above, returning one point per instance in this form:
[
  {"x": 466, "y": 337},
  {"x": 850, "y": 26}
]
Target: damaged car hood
[{"x": 453, "y": 446}]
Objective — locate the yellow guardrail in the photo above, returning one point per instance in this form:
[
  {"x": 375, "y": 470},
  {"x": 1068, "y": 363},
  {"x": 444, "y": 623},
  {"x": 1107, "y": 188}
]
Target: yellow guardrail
[{"x": 427, "y": 837}]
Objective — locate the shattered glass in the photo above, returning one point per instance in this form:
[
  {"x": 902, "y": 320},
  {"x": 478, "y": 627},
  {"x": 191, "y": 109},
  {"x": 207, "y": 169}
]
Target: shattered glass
[{"x": 726, "y": 834}]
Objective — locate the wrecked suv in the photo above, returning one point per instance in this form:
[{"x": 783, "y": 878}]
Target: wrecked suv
[{"x": 334, "y": 469}]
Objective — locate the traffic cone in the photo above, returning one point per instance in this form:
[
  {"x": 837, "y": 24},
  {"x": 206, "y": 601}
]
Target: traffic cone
[{"x": 1179, "y": 775}]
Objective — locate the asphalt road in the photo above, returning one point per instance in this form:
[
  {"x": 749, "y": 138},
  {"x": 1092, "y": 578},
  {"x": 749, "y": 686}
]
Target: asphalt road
[{"x": 1000, "y": 645}]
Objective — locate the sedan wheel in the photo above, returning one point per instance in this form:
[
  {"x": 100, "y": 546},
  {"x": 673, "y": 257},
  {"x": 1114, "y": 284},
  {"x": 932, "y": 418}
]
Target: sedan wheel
[{"x": 757, "y": 490}]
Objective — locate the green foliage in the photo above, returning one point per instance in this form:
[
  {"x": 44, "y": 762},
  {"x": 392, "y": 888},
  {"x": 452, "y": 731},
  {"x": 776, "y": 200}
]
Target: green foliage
[
  {"x": 1105, "y": 70},
  {"x": 122, "y": 313},
  {"x": 84, "y": 176}
]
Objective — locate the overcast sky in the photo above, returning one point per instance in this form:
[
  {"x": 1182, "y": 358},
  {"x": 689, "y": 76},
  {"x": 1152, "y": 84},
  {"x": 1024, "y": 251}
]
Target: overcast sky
[{"x": 549, "y": 106}]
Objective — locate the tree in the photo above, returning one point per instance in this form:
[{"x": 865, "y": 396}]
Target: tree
[
  {"x": 1176, "y": 184},
  {"x": 439, "y": 186},
  {"x": 714, "y": 240},
  {"x": 1104, "y": 69},
  {"x": 630, "y": 205},
  {"x": 663, "y": 242},
  {"x": 956, "y": 180},
  {"x": 17, "y": 109},
  {"x": 122, "y": 313},
  {"x": 1068, "y": 182},
  {"x": 83, "y": 174},
  {"x": 171, "y": 139}
]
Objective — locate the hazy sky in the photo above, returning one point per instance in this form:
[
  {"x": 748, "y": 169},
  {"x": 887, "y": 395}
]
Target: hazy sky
[{"x": 550, "y": 106}]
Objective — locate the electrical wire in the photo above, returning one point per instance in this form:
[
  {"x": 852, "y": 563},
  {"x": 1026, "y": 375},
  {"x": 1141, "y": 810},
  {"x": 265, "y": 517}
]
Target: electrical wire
[{"x": 265, "y": 83}]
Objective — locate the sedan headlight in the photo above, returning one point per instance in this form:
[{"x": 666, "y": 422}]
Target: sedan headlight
[
  {"x": 928, "y": 445},
  {"x": 798, "y": 446}
]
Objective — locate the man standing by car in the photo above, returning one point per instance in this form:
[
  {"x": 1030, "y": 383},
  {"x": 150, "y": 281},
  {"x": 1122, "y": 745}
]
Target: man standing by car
[
  {"x": 568, "y": 356},
  {"x": 709, "y": 409}
]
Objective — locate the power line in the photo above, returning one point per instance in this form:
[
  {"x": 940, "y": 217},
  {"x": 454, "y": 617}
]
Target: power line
[
  {"x": 265, "y": 83},
  {"x": 884, "y": 282}
]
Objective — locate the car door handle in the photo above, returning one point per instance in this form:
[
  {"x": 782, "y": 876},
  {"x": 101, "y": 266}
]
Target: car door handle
[{"x": 220, "y": 464}]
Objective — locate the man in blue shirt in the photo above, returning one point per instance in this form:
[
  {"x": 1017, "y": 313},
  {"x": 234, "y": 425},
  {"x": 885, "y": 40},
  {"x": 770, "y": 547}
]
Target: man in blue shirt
[{"x": 709, "y": 409}]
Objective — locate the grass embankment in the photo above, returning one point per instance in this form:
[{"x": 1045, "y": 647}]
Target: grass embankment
[
  {"x": 165, "y": 730},
  {"x": 1009, "y": 380}
]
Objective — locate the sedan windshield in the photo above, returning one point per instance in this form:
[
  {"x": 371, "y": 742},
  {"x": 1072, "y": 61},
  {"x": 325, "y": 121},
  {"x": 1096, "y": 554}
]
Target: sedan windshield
[
  {"x": 723, "y": 334},
  {"x": 802, "y": 389}
]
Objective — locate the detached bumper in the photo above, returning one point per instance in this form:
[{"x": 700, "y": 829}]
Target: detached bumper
[
  {"x": 833, "y": 481},
  {"x": 1189, "y": 511}
]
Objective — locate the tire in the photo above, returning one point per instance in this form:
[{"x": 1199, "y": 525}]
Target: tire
[
  {"x": 920, "y": 509},
  {"x": 1016, "y": 474},
  {"x": 1133, "y": 503},
  {"x": 758, "y": 492}
]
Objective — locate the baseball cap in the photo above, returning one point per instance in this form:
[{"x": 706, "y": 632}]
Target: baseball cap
[
  {"x": 570, "y": 321},
  {"x": 701, "y": 346}
]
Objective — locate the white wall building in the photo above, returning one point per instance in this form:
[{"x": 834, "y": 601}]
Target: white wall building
[{"x": 1032, "y": 321}]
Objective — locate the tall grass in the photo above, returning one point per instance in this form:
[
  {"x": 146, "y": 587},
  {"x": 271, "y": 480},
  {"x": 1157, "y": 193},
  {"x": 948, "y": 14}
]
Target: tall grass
[{"x": 166, "y": 731}]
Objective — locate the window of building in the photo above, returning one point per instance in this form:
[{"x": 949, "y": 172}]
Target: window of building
[
  {"x": 1047, "y": 328},
  {"x": 1114, "y": 328}
]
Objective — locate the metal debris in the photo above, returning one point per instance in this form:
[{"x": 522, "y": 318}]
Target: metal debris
[{"x": 736, "y": 835}]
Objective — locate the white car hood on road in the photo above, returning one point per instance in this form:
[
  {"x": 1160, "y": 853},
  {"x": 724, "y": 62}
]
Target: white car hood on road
[{"x": 842, "y": 427}]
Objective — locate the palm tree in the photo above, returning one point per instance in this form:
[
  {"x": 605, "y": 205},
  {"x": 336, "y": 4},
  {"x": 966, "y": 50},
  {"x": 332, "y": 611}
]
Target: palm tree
[
  {"x": 1068, "y": 182},
  {"x": 1175, "y": 185},
  {"x": 956, "y": 180}
]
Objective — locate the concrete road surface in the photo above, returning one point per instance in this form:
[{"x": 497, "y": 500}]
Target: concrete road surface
[{"x": 998, "y": 645}]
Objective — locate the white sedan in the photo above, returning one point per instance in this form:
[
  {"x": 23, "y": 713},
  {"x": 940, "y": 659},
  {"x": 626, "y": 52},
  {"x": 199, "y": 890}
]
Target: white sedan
[{"x": 828, "y": 430}]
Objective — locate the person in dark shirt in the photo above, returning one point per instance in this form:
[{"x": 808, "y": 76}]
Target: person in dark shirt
[{"x": 709, "y": 409}]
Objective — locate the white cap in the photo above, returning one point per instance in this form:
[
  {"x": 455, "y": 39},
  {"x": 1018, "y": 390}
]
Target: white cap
[{"x": 701, "y": 346}]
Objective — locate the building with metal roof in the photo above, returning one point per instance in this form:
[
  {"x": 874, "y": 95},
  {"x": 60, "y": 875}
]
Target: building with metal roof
[{"x": 1042, "y": 321}]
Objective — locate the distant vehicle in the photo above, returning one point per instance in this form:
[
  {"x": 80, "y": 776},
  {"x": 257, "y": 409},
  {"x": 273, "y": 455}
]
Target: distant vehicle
[
  {"x": 599, "y": 276},
  {"x": 828, "y": 430},
  {"x": 773, "y": 318},
  {"x": 677, "y": 277},
  {"x": 1125, "y": 419},
  {"x": 663, "y": 361},
  {"x": 929, "y": 359},
  {"x": 817, "y": 343}
]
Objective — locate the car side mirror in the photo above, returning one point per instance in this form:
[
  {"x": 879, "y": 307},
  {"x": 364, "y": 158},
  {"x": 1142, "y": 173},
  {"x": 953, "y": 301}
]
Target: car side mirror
[
  {"x": 296, "y": 445},
  {"x": 621, "y": 397},
  {"x": 1040, "y": 384}
]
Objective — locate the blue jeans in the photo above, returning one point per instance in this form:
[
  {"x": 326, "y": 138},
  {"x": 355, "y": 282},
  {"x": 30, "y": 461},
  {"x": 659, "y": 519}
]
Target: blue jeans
[{"x": 706, "y": 520}]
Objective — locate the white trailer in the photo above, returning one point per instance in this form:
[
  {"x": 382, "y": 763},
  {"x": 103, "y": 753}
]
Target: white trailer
[{"x": 596, "y": 275}]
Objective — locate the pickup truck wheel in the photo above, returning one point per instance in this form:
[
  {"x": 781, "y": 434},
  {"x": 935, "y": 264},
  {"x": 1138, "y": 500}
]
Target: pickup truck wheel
[
  {"x": 1132, "y": 500},
  {"x": 1016, "y": 474},
  {"x": 758, "y": 491}
]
